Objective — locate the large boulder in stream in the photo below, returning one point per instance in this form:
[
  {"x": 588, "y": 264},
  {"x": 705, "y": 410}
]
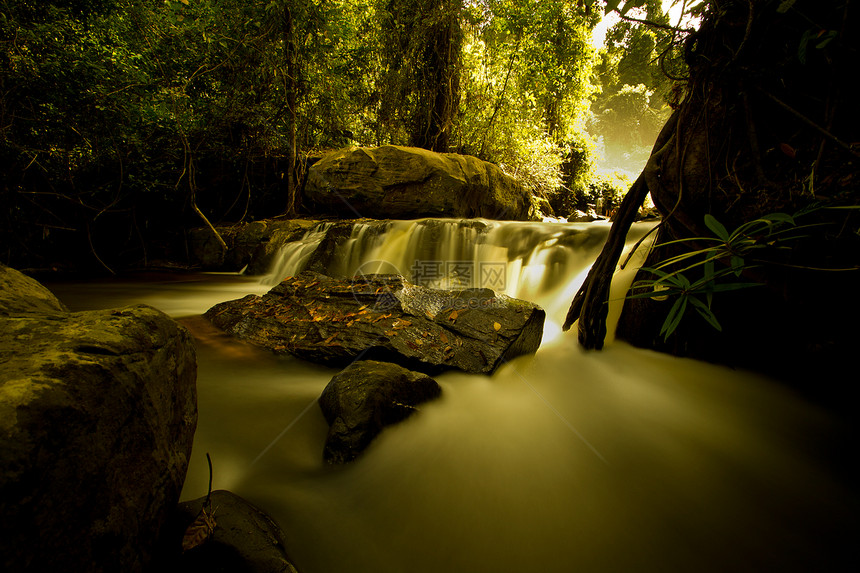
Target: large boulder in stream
[
  {"x": 365, "y": 397},
  {"x": 384, "y": 317},
  {"x": 393, "y": 182},
  {"x": 97, "y": 416}
]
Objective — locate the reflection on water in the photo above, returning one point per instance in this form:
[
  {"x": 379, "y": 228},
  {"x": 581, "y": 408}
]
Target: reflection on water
[{"x": 622, "y": 460}]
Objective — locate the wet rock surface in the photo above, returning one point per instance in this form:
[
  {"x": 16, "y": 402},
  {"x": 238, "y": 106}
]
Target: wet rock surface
[
  {"x": 364, "y": 398},
  {"x": 250, "y": 245},
  {"x": 244, "y": 540},
  {"x": 384, "y": 317},
  {"x": 97, "y": 416}
]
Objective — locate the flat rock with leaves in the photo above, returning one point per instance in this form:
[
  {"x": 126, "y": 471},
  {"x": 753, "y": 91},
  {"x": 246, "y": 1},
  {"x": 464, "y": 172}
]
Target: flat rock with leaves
[{"x": 384, "y": 317}]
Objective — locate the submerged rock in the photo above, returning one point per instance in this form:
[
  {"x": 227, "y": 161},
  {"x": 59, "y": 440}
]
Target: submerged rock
[
  {"x": 365, "y": 397},
  {"x": 97, "y": 416},
  {"x": 245, "y": 539},
  {"x": 384, "y": 317},
  {"x": 410, "y": 183}
]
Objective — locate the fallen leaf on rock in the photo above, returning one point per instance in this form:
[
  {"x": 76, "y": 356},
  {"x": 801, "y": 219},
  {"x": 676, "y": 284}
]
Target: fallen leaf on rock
[
  {"x": 330, "y": 338},
  {"x": 199, "y": 531},
  {"x": 496, "y": 326}
]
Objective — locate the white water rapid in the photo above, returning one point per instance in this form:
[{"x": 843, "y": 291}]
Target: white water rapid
[{"x": 623, "y": 460}]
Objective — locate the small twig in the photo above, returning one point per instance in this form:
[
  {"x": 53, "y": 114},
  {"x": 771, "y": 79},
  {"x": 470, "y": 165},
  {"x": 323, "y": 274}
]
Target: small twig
[
  {"x": 810, "y": 123},
  {"x": 208, "y": 503},
  {"x": 752, "y": 135},
  {"x": 654, "y": 24}
]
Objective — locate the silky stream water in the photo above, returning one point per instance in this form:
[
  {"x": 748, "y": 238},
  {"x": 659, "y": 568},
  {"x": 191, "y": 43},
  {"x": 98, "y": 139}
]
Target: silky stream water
[{"x": 623, "y": 460}]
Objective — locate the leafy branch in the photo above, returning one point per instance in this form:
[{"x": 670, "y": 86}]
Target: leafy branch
[{"x": 753, "y": 244}]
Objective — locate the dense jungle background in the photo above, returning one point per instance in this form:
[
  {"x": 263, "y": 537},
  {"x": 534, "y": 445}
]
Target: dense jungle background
[{"x": 123, "y": 124}]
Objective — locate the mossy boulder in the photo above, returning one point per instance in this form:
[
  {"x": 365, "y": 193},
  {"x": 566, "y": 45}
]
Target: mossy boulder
[
  {"x": 97, "y": 417},
  {"x": 394, "y": 182}
]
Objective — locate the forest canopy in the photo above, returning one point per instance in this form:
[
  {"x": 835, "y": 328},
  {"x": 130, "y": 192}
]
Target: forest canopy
[{"x": 120, "y": 119}]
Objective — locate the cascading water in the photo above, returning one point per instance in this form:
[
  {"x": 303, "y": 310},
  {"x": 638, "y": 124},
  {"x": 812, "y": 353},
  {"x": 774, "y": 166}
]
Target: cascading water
[
  {"x": 619, "y": 460},
  {"x": 293, "y": 256},
  {"x": 543, "y": 263}
]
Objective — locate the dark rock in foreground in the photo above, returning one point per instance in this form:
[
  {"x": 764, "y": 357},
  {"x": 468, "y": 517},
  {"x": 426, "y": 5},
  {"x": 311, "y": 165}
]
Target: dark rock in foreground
[
  {"x": 384, "y": 317},
  {"x": 245, "y": 539},
  {"x": 97, "y": 416},
  {"x": 410, "y": 183},
  {"x": 364, "y": 398}
]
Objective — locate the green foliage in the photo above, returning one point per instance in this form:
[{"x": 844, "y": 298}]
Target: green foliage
[
  {"x": 124, "y": 114},
  {"x": 525, "y": 87},
  {"x": 633, "y": 89}
]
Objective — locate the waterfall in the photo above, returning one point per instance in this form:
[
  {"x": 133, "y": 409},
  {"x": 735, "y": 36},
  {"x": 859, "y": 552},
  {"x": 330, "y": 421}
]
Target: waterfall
[
  {"x": 541, "y": 262},
  {"x": 293, "y": 256}
]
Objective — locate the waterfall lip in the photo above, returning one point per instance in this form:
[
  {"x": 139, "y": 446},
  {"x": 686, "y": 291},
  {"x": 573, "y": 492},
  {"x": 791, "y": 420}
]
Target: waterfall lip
[{"x": 530, "y": 260}]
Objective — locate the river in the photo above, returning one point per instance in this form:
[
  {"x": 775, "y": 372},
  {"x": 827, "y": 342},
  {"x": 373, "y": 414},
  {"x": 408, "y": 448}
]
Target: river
[{"x": 623, "y": 460}]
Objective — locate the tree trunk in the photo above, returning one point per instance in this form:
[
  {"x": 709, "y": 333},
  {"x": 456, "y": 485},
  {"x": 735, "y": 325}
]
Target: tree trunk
[
  {"x": 763, "y": 128},
  {"x": 291, "y": 87},
  {"x": 438, "y": 81}
]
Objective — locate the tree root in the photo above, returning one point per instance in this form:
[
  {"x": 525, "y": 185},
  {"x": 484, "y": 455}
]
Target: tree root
[{"x": 590, "y": 305}]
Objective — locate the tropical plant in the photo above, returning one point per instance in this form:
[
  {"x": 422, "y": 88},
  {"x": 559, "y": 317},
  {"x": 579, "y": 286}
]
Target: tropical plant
[{"x": 721, "y": 263}]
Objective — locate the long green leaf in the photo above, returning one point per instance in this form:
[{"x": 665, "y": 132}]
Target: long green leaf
[
  {"x": 779, "y": 218},
  {"x": 673, "y": 319},
  {"x": 717, "y": 227},
  {"x": 726, "y": 287},
  {"x": 737, "y": 265},
  {"x": 706, "y": 313}
]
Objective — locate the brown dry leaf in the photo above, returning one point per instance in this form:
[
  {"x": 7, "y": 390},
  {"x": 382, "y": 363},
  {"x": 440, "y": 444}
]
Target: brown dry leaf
[
  {"x": 788, "y": 150},
  {"x": 496, "y": 326},
  {"x": 390, "y": 333},
  {"x": 199, "y": 531},
  {"x": 429, "y": 315},
  {"x": 453, "y": 315},
  {"x": 362, "y": 307},
  {"x": 330, "y": 338},
  {"x": 443, "y": 338}
]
